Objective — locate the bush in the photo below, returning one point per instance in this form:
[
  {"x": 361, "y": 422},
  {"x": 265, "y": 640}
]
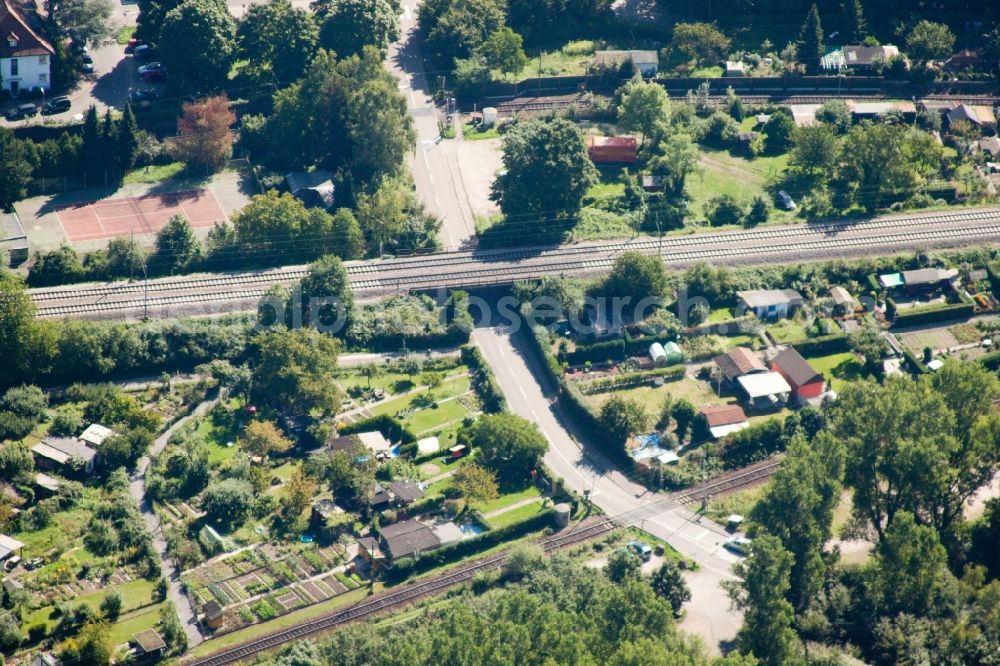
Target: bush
[
  {"x": 391, "y": 428},
  {"x": 824, "y": 344},
  {"x": 599, "y": 352},
  {"x": 752, "y": 445},
  {"x": 484, "y": 381}
]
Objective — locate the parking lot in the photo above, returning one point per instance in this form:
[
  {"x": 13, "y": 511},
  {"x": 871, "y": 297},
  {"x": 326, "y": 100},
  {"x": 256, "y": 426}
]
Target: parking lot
[{"x": 108, "y": 86}]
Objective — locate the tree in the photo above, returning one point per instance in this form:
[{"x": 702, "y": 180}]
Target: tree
[
  {"x": 172, "y": 630},
  {"x": 327, "y": 300},
  {"x": 836, "y": 114},
  {"x": 56, "y": 267},
  {"x": 815, "y": 150},
  {"x": 547, "y": 173},
  {"x": 677, "y": 159},
  {"x": 856, "y": 20},
  {"x": 910, "y": 568},
  {"x": 228, "y": 502},
  {"x": 621, "y": 418},
  {"x": 432, "y": 380},
  {"x": 347, "y": 26},
  {"x": 867, "y": 342},
  {"x": 92, "y": 645},
  {"x": 760, "y": 211},
  {"x": 198, "y": 40},
  {"x": 204, "y": 137},
  {"x": 125, "y": 258},
  {"x": 380, "y": 130},
  {"x": 503, "y": 50},
  {"x": 455, "y": 28},
  {"x": 411, "y": 366},
  {"x": 767, "y": 631},
  {"x": 111, "y": 604},
  {"x": 683, "y": 413},
  {"x": 10, "y": 630},
  {"x": 779, "y": 130},
  {"x": 370, "y": 371},
  {"x": 126, "y": 143},
  {"x": 295, "y": 371},
  {"x": 277, "y": 40},
  {"x": 699, "y": 41},
  {"x": 507, "y": 444},
  {"x": 724, "y": 210},
  {"x": 177, "y": 247},
  {"x": 15, "y": 170},
  {"x": 345, "y": 237},
  {"x": 668, "y": 583},
  {"x": 623, "y": 564},
  {"x": 929, "y": 41},
  {"x": 636, "y": 276},
  {"x": 262, "y": 438},
  {"x": 811, "y": 40},
  {"x": 476, "y": 483},
  {"x": 798, "y": 509},
  {"x": 299, "y": 492},
  {"x": 85, "y": 20},
  {"x": 644, "y": 107}
]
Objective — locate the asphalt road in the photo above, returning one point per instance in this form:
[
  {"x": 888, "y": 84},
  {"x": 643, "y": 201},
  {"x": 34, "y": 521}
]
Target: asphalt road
[
  {"x": 434, "y": 163},
  {"x": 709, "y": 614}
]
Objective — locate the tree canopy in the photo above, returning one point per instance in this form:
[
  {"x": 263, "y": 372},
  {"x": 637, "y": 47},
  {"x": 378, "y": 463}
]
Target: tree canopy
[
  {"x": 507, "y": 444},
  {"x": 277, "y": 40},
  {"x": 198, "y": 40}
]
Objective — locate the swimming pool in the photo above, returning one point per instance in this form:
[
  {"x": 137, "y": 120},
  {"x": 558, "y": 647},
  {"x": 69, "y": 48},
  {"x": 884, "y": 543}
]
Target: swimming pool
[{"x": 470, "y": 529}]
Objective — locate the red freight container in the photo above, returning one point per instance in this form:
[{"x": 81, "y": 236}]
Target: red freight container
[{"x": 612, "y": 149}]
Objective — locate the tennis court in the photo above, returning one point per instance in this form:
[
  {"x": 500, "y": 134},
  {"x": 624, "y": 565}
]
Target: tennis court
[{"x": 146, "y": 214}]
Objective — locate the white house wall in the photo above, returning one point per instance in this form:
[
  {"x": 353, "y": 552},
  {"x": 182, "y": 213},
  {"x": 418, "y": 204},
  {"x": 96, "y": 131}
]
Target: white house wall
[{"x": 31, "y": 71}]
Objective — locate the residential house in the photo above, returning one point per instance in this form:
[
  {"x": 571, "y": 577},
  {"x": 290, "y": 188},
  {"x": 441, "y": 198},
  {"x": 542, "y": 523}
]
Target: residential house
[
  {"x": 645, "y": 62},
  {"x": 313, "y": 188},
  {"x": 990, "y": 146},
  {"x": 395, "y": 494},
  {"x": 807, "y": 384},
  {"x": 977, "y": 115},
  {"x": 765, "y": 390},
  {"x": 724, "y": 419},
  {"x": 842, "y": 299},
  {"x": 770, "y": 303},
  {"x": 148, "y": 644},
  {"x": 924, "y": 278},
  {"x": 737, "y": 362},
  {"x": 875, "y": 110},
  {"x": 407, "y": 538},
  {"x": 9, "y": 547},
  {"x": 45, "y": 659},
  {"x": 213, "y": 614},
  {"x": 860, "y": 59},
  {"x": 25, "y": 57},
  {"x": 96, "y": 434},
  {"x": 58, "y": 452}
]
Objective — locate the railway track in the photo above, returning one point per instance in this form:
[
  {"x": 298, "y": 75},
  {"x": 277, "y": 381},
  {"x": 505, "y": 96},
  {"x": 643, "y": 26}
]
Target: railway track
[
  {"x": 207, "y": 294},
  {"x": 394, "y": 599},
  {"x": 399, "y": 598}
]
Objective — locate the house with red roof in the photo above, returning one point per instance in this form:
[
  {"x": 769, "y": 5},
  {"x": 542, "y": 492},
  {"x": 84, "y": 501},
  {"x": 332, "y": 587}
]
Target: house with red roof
[
  {"x": 807, "y": 384},
  {"x": 25, "y": 57}
]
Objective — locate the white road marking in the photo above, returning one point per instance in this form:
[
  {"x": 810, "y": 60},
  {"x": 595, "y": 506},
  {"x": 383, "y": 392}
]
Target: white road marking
[
  {"x": 521, "y": 389},
  {"x": 406, "y": 12}
]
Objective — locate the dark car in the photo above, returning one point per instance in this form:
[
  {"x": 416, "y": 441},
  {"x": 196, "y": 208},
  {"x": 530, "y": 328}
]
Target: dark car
[
  {"x": 151, "y": 67},
  {"x": 155, "y": 76},
  {"x": 87, "y": 65},
  {"x": 145, "y": 52},
  {"x": 133, "y": 44},
  {"x": 141, "y": 99},
  {"x": 55, "y": 105},
  {"x": 22, "y": 111}
]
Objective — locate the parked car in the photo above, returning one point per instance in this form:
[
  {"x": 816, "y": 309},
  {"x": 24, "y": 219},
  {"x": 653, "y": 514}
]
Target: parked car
[
  {"x": 145, "y": 52},
  {"x": 151, "y": 67},
  {"x": 78, "y": 47},
  {"x": 155, "y": 76},
  {"x": 133, "y": 44},
  {"x": 34, "y": 563},
  {"x": 141, "y": 99},
  {"x": 640, "y": 548},
  {"x": 87, "y": 65},
  {"x": 22, "y": 111},
  {"x": 11, "y": 563},
  {"x": 785, "y": 202},
  {"x": 739, "y": 545},
  {"x": 56, "y": 105},
  {"x": 32, "y": 92}
]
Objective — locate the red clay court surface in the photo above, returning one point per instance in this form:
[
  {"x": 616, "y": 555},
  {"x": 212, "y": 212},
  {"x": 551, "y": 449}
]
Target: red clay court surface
[{"x": 141, "y": 215}]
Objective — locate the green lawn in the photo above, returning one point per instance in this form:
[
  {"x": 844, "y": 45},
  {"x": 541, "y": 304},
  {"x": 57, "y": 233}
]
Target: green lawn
[
  {"x": 155, "y": 173},
  {"x": 507, "y": 498},
  {"x": 136, "y": 594},
  {"x": 840, "y": 369},
  {"x": 740, "y": 502},
  {"x": 433, "y": 417},
  {"x": 515, "y": 515},
  {"x": 65, "y": 526},
  {"x": 719, "y": 315},
  {"x": 723, "y": 173},
  {"x": 124, "y": 34},
  {"x": 787, "y": 332},
  {"x": 216, "y": 432},
  {"x": 123, "y": 630},
  {"x": 388, "y": 381},
  {"x": 428, "y": 418},
  {"x": 697, "y": 392},
  {"x": 472, "y": 132}
]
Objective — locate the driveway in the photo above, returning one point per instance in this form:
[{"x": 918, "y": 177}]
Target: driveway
[
  {"x": 709, "y": 614},
  {"x": 108, "y": 87}
]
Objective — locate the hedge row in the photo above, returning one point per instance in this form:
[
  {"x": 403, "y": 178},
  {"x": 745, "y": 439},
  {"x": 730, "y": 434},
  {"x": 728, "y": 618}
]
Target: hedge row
[
  {"x": 931, "y": 314},
  {"x": 994, "y": 276},
  {"x": 484, "y": 382},
  {"x": 727, "y": 327},
  {"x": 991, "y": 360},
  {"x": 752, "y": 445},
  {"x": 599, "y": 352},
  {"x": 631, "y": 379},
  {"x": 407, "y": 566},
  {"x": 914, "y": 362},
  {"x": 391, "y": 428},
  {"x": 824, "y": 344}
]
